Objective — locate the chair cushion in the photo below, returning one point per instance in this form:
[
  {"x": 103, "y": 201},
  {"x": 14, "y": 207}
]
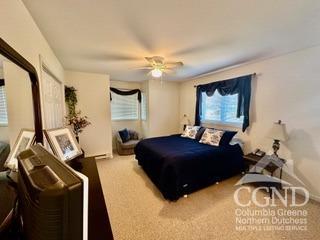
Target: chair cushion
[
  {"x": 129, "y": 144},
  {"x": 124, "y": 135}
]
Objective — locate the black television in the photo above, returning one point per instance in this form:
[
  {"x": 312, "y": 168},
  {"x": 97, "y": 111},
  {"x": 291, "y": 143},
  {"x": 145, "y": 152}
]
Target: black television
[{"x": 53, "y": 198}]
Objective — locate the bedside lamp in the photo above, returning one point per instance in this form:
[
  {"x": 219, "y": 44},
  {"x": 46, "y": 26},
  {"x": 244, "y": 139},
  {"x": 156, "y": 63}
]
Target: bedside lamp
[
  {"x": 185, "y": 121},
  {"x": 278, "y": 133}
]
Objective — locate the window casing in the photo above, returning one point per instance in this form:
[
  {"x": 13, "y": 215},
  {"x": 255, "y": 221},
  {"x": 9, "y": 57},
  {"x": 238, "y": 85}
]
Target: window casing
[
  {"x": 220, "y": 109},
  {"x": 143, "y": 107},
  {"x": 3, "y": 107}
]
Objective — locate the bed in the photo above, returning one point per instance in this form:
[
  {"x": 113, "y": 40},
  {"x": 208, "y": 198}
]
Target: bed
[{"x": 179, "y": 165}]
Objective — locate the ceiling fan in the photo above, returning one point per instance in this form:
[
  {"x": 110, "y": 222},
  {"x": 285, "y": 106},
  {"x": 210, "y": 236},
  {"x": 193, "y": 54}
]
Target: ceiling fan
[{"x": 158, "y": 65}]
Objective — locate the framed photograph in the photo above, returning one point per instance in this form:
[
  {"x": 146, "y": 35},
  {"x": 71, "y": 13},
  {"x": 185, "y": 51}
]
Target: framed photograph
[
  {"x": 63, "y": 143},
  {"x": 25, "y": 139}
]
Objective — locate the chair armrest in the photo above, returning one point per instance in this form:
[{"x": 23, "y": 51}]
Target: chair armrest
[{"x": 119, "y": 140}]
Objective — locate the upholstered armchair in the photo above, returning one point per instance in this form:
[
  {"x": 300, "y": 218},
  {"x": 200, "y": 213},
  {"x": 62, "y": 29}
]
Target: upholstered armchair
[{"x": 127, "y": 147}]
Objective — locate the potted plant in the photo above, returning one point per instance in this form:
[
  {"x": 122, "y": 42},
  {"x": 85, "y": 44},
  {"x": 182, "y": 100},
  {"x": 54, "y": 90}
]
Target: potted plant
[{"x": 74, "y": 118}]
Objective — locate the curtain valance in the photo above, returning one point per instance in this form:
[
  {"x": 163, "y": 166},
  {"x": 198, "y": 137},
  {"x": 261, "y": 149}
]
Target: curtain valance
[
  {"x": 126, "y": 93},
  {"x": 240, "y": 85}
]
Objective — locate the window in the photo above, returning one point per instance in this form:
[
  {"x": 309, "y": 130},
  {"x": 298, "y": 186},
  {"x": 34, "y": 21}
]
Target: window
[
  {"x": 143, "y": 107},
  {"x": 3, "y": 107},
  {"x": 220, "y": 109},
  {"x": 124, "y": 107},
  {"x": 52, "y": 100}
]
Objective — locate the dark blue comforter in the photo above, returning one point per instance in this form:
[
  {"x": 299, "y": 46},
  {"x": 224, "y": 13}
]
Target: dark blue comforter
[{"x": 179, "y": 165}]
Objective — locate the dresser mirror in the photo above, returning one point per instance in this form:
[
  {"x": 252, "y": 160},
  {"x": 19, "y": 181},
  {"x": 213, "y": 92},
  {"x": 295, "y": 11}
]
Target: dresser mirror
[{"x": 19, "y": 98}]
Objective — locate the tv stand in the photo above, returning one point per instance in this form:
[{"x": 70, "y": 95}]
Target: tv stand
[{"x": 98, "y": 220}]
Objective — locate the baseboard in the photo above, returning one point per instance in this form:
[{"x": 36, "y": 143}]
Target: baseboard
[
  {"x": 315, "y": 198},
  {"x": 311, "y": 196}
]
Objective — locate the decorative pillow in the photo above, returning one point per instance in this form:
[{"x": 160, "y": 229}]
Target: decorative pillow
[
  {"x": 227, "y": 137},
  {"x": 133, "y": 135},
  {"x": 211, "y": 137},
  {"x": 190, "y": 132},
  {"x": 124, "y": 135}
]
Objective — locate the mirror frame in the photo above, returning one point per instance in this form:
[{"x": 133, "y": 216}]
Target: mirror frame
[{"x": 7, "y": 51}]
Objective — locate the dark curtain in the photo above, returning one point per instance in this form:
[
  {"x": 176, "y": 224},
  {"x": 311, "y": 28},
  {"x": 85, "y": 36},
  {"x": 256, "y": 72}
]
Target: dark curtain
[
  {"x": 2, "y": 82},
  {"x": 126, "y": 93},
  {"x": 240, "y": 85}
]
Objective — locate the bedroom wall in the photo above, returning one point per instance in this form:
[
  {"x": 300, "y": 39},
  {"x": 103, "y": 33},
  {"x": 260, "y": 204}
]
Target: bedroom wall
[
  {"x": 163, "y": 108},
  {"x": 130, "y": 124},
  {"x": 4, "y": 134},
  {"x": 19, "y": 30},
  {"x": 94, "y": 102},
  {"x": 285, "y": 88}
]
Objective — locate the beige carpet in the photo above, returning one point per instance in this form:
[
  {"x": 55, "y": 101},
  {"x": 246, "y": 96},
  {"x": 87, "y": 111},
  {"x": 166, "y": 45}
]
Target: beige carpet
[{"x": 138, "y": 211}]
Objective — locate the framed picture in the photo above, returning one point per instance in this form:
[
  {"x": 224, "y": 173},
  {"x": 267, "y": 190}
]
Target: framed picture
[
  {"x": 63, "y": 143},
  {"x": 25, "y": 139}
]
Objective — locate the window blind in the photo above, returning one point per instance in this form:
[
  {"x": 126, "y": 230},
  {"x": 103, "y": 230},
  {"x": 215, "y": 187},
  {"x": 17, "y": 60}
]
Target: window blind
[
  {"x": 124, "y": 107},
  {"x": 220, "y": 109},
  {"x": 3, "y": 107},
  {"x": 143, "y": 107}
]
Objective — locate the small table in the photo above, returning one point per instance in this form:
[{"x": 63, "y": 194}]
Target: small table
[{"x": 271, "y": 167}]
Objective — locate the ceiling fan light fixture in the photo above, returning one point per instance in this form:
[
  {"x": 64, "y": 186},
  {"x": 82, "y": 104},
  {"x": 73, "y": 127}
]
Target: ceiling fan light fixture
[{"x": 156, "y": 73}]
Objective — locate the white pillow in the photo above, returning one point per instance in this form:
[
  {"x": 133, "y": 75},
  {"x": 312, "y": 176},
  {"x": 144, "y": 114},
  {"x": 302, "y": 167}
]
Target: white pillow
[
  {"x": 190, "y": 132},
  {"x": 211, "y": 137},
  {"x": 235, "y": 141}
]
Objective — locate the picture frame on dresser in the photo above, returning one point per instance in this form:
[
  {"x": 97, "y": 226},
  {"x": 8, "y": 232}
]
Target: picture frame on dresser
[
  {"x": 24, "y": 140},
  {"x": 63, "y": 143}
]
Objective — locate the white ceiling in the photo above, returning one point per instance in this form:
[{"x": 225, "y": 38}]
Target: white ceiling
[{"x": 114, "y": 36}]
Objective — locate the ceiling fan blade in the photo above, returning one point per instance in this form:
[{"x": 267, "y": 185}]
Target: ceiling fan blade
[
  {"x": 149, "y": 59},
  {"x": 145, "y": 68},
  {"x": 169, "y": 70},
  {"x": 155, "y": 60},
  {"x": 174, "y": 64}
]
